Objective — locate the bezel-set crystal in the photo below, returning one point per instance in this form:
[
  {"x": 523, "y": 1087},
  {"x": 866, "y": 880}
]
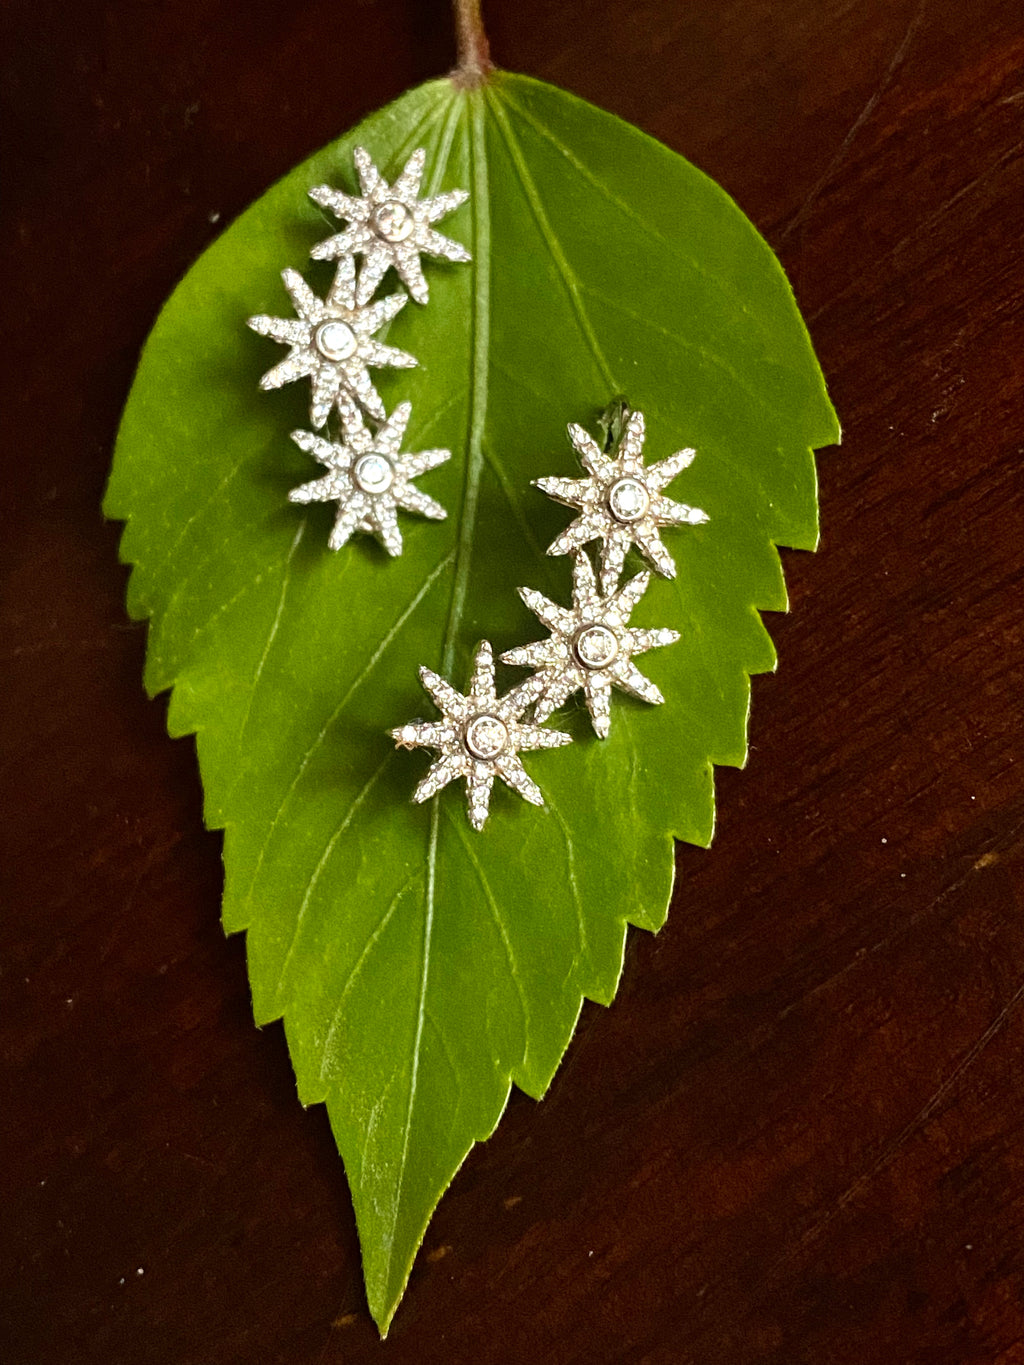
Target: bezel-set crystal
[
  {"x": 373, "y": 473},
  {"x": 595, "y": 646},
  {"x": 486, "y": 736},
  {"x": 335, "y": 340},
  {"x": 628, "y": 500}
]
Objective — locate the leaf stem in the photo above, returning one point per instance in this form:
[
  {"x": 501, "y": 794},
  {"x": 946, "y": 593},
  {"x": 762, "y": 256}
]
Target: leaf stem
[{"x": 474, "y": 63}]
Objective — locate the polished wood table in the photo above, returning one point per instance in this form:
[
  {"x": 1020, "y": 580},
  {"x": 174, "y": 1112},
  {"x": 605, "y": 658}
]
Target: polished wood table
[{"x": 798, "y": 1136}]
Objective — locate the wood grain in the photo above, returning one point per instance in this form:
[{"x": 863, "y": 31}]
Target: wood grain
[{"x": 798, "y": 1136}]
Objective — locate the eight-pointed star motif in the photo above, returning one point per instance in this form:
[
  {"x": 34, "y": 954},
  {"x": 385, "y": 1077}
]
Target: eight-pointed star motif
[
  {"x": 368, "y": 478},
  {"x": 590, "y": 647},
  {"x": 390, "y": 225},
  {"x": 479, "y": 737},
  {"x": 621, "y": 503},
  {"x": 332, "y": 342}
]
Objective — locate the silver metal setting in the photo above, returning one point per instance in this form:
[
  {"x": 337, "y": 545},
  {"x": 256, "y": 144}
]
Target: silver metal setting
[
  {"x": 595, "y": 646},
  {"x": 335, "y": 340},
  {"x": 621, "y": 502},
  {"x": 389, "y": 225},
  {"x": 479, "y": 737},
  {"x": 486, "y": 736},
  {"x": 373, "y": 473},
  {"x": 332, "y": 342},
  {"x": 367, "y": 476},
  {"x": 628, "y": 500},
  {"x": 590, "y": 646},
  {"x": 392, "y": 221}
]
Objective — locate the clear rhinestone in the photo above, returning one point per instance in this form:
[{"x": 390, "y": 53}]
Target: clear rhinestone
[
  {"x": 373, "y": 473},
  {"x": 335, "y": 340},
  {"x": 595, "y": 646},
  {"x": 486, "y": 736},
  {"x": 628, "y": 500},
  {"x": 393, "y": 221}
]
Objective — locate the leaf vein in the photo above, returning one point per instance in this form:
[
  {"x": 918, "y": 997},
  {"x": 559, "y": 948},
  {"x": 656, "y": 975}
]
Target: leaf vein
[
  {"x": 568, "y": 276},
  {"x": 570, "y": 856},
  {"x": 325, "y": 856},
  {"x": 222, "y": 610},
  {"x": 386, "y": 641},
  {"x": 733, "y": 296},
  {"x": 500, "y": 925},
  {"x": 683, "y": 342},
  {"x": 505, "y": 484},
  {"x": 187, "y": 526},
  {"x": 272, "y": 635},
  {"x": 371, "y": 942},
  {"x": 431, "y": 1019}
]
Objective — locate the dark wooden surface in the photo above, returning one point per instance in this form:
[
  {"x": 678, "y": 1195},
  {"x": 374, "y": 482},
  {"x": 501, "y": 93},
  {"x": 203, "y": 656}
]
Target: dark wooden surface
[{"x": 798, "y": 1136}]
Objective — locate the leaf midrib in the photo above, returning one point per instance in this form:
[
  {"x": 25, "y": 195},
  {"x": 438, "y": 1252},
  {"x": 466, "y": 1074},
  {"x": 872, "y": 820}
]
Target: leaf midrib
[{"x": 480, "y": 323}]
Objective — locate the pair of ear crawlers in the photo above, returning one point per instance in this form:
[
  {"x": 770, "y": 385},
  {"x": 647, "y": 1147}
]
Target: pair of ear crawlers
[
  {"x": 590, "y": 644},
  {"x": 620, "y": 503}
]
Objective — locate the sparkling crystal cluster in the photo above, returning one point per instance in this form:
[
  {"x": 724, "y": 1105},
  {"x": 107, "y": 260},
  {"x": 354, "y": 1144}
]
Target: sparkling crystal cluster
[
  {"x": 621, "y": 502},
  {"x": 334, "y": 343},
  {"x": 368, "y": 477},
  {"x": 389, "y": 225},
  {"x": 590, "y": 647},
  {"x": 479, "y": 737}
]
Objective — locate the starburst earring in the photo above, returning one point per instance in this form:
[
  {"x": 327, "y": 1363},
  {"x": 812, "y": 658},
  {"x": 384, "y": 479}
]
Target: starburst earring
[
  {"x": 590, "y": 647},
  {"x": 332, "y": 342},
  {"x": 621, "y": 503},
  {"x": 368, "y": 477},
  {"x": 479, "y": 737},
  {"x": 389, "y": 225}
]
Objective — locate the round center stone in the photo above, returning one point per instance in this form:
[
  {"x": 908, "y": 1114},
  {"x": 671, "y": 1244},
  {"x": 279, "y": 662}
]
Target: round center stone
[
  {"x": 595, "y": 646},
  {"x": 486, "y": 736},
  {"x": 628, "y": 500},
  {"x": 393, "y": 221},
  {"x": 373, "y": 473},
  {"x": 335, "y": 340}
]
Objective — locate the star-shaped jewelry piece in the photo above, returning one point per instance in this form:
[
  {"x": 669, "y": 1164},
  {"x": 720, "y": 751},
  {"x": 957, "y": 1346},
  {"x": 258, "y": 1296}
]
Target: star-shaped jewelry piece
[
  {"x": 590, "y": 646},
  {"x": 332, "y": 342},
  {"x": 479, "y": 737},
  {"x": 390, "y": 225},
  {"x": 368, "y": 478},
  {"x": 621, "y": 503}
]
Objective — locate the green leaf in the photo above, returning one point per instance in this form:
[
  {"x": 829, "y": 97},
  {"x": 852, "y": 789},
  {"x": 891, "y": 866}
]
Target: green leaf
[{"x": 421, "y": 968}]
